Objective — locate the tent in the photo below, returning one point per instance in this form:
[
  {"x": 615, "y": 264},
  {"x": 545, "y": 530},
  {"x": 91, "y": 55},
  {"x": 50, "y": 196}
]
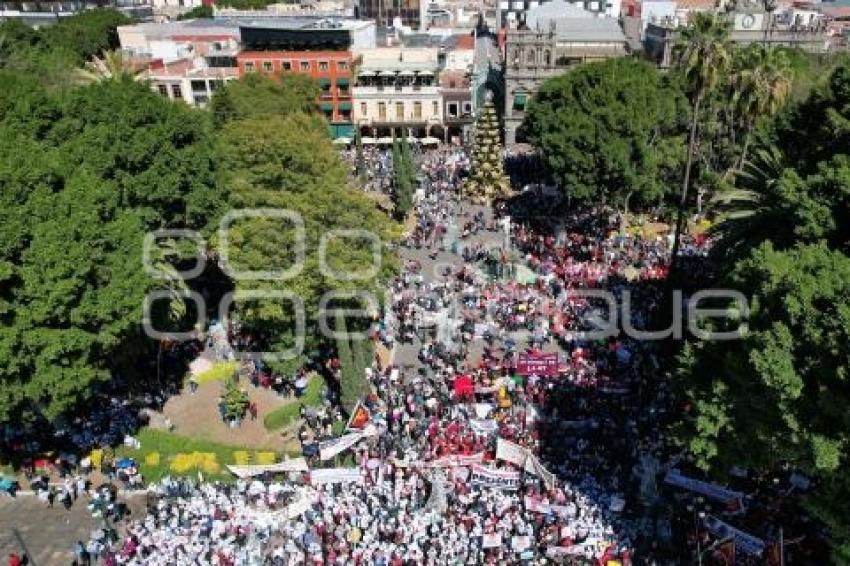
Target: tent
[
  {"x": 386, "y": 140},
  {"x": 342, "y": 141},
  {"x": 429, "y": 141},
  {"x": 368, "y": 141}
]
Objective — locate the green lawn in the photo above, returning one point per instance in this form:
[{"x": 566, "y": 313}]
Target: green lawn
[
  {"x": 219, "y": 372},
  {"x": 286, "y": 415},
  {"x": 164, "y": 453}
]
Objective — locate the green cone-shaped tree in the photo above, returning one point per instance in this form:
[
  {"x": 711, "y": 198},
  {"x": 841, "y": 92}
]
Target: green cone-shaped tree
[{"x": 487, "y": 180}]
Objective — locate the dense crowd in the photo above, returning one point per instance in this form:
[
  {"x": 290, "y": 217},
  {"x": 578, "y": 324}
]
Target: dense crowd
[{"x": 432, "y": 427}]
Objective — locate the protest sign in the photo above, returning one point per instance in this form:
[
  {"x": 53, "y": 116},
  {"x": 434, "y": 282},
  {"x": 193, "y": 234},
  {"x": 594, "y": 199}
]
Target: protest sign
[
  {"x": 491, "y": 540},
  {"x": 497, "y": 479},
  {"x": 545, "y": 365},
  {"x": 520, "y": 544},
  {"x": 331, "y": 448},
  {"x": 483, "y": 426}
]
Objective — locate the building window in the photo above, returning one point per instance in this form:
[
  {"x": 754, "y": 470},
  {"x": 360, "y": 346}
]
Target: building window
[
  {"x": 305, "y": 66},
  {"x": 520, "y": 100},
  {"x": 453, "y": 109},
  {"x": 342, "y": 65},
  {"x": 267, "y": 66},
  {"x": 364, "y": 109},
  {"x": 531, "y": 57},
  {"x": 199, "y": 86},
  {"x": 467, "y": 108},
  {"x": 435, "y": 108},
  {"x": 345, "y": 115},
  {"x": 382, "y": 110},
  {"x": 163, "y": 90},
  {"x": 417, "y": 110},
  {"x": 176, "y": 92},
  {"x": 201, "y": 99},
  {"x": 249, "y": 67},
  {"x": 216, "y": 85},
  {"x": 323, "y": 65},
  {"x": 286, "y": 65},
  {"x": 547, "y": 57},
  {"x": 399, "y": 110}
]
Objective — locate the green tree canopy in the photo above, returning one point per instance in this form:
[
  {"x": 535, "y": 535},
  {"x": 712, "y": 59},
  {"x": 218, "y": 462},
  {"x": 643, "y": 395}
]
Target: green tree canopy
[
  {"x": 608, "y": 129},
  {"x": 83, "y": 176}
]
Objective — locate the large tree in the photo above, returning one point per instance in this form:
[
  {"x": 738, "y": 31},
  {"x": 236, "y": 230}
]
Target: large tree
[
  {"x": 609, "y": 130},
  {"x": 83, "y": 176}
]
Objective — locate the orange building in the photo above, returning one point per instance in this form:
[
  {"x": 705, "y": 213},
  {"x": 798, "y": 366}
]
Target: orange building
[{"x": 331, "y": 69}]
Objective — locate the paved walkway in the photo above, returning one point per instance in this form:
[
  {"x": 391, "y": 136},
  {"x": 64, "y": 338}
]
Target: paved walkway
[{"x": 48, "y": 535}]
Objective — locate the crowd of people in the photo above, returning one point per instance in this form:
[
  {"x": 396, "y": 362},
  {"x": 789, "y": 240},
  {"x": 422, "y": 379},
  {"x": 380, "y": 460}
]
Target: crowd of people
[{"x": 432, "y": 484}]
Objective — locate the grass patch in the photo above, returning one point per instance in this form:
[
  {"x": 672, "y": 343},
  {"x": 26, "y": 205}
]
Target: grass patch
[
  {"x": 219, "y": 372},
  {"x": 289, "y": 413},
  {"x": 164, "y": 453}
]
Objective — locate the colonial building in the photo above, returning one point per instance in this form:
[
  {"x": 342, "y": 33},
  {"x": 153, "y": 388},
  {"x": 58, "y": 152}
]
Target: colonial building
[
  {"x": 560, "y": 36},
  {"x": 397, "y": 90},
  {"x": 792, "y": 27},
  {"x": 318, "y": 47}
]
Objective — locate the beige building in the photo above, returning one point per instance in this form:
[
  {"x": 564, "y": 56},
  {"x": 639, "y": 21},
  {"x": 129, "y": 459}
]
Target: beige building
[
  {"x": 189, "y": 80},
  {"x": 559, "y": 37},
  {"x": 397, "y": 88}
]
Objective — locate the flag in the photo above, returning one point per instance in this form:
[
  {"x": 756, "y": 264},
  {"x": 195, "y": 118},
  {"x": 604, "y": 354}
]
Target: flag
[
  {"x": 359, "y": 417},
  {"x": 774, "y": 554}
]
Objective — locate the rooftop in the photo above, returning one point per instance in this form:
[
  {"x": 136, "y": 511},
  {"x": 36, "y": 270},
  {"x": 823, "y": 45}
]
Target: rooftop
[
  {"x": 191, "y": 28},
  {"x": 573, "y": 23},
  {"x": 304, "y": 23}
]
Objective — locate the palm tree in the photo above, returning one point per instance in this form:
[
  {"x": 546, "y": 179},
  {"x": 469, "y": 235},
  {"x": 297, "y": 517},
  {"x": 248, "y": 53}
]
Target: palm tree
[
  {"x": 760, "y": 86},
  {"x": 705, "y": 58},
  {"x": 111, "y": 65},
  {"x": 749, "y": 213}
]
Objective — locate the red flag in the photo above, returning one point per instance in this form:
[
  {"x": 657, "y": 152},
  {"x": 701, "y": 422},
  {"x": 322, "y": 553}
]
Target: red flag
[
  {"x": 726, "y": 550},
  {"x": 359, "y": 417}
]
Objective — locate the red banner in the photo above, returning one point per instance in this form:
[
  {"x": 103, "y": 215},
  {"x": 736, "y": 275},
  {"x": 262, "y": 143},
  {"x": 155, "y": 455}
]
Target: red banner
[{"x": 545, "y": 365}]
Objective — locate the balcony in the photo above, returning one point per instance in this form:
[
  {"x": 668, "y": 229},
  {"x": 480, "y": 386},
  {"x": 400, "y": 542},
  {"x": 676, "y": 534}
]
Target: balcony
[{"x": 418, "y": 91}]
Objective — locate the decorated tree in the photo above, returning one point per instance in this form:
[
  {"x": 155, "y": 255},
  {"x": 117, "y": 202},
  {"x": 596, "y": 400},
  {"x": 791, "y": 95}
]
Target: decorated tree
[{"x": 488, "y": 180}]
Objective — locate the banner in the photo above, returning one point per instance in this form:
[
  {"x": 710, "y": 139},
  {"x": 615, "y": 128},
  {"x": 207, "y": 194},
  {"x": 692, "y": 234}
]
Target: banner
[
  {"x": 544, "y": 365},
  {"x": 336, "y": 475},
  {"x": 330, "y": 448},
  {"x": 455, "y": 460},
  {"x": 359, "y": 418},
  {"x": 511, "y": 452},
  {"x": 483, "y": 427},
  {"x": 491, "y": 540},
  {"x": 497, "y": 479},
  {"x": 533, "y": 466},
  {"x": 713, "y": 491},
  {"x": 745, "y": 542},
  {"x": 294, "y": 465}
]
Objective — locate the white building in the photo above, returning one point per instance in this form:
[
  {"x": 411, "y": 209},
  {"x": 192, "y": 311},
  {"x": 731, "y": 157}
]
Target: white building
[
  {"x": 190, "y": 80},
  {"x": 172, "y": 41},
  {"x": 397, "y": 89}
]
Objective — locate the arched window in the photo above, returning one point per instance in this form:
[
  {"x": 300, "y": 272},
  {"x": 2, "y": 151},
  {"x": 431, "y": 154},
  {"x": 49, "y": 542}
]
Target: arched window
[
  {"x": 547, "y": 57},
  {"x": 531, "y": 57}
]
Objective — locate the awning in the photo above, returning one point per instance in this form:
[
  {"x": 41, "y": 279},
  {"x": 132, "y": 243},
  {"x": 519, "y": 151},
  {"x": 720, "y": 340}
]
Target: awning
[
  {"x": 425, "y": 74},
  {"x": 342, "y": 141},
  {"x": 345, "y": 106},
  {"x": 366, "y": 140},
  {"x": 367, "y": 73},
  {"x": 386, "y": 140},
  {"x": 325, "y": 82},
  {"x": 326, "y": 106},
  {"x": 342, "y": 82},
  {"x": 406, "y": 73},
  {"x": 428, "y": 140}
]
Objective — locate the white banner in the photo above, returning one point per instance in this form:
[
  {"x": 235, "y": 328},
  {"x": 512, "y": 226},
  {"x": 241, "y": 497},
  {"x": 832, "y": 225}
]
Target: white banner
[
  {"x": 511, "y": 452},
  {"x": 533, "y": 466},
  {"x": 491, "y": 540},
  {"x": 497, "y": 479},
  {"x": 331, "y": 448},
  {"x": 483, "y": 427},
  {"x": 455, "y": 460},
  {"x": 336, "y": 475},
  {"x": 294, "y": 465}
]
